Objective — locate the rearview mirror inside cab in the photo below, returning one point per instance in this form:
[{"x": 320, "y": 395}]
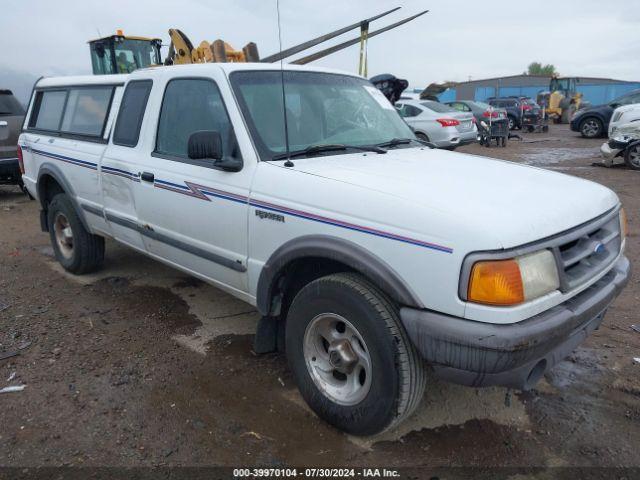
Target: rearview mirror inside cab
[{"x": 205, "y": 144}]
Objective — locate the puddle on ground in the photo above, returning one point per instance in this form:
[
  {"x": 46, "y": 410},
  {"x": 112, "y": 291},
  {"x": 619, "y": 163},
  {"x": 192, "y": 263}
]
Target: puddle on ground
[
  {"x": 445, "y": 404},
  {"x": 554, "y": 156},
  {"x": 578, "y": 369},
  {"x": 219, "y": 312}
]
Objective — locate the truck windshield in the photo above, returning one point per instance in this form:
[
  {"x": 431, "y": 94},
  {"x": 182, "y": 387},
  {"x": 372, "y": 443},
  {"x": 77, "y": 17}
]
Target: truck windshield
[{"x": 321, "y": 109}]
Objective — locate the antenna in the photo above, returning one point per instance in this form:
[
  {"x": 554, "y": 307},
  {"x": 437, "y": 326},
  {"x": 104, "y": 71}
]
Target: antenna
[{"x": 288, "y": 163}]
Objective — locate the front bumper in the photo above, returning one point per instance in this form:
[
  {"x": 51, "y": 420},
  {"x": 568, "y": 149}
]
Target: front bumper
[
  {"x": 574, "y": 125},
  {"x": 608, "y": 152},
  {"x": 515, "y": 355}
]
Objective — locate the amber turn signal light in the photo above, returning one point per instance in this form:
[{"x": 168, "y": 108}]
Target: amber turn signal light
[{"x": 497, "y": 282}]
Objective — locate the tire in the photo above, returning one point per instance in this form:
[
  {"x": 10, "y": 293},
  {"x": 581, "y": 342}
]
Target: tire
[
  {"x": 77, "y": 250},
  {"x": 591, "y": 127},
  {"x": 512, "y": 122},
  {"x": 363, "y": 324},
  {"x": 632, "y": 156},
  {"x": 422, "y": 136}
]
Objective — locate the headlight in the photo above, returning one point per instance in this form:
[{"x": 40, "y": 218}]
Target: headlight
[{"x": 513, "y": 281}]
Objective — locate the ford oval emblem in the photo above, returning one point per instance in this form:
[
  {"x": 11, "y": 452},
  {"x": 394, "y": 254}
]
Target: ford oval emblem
[{"x": 599, "y": 248}]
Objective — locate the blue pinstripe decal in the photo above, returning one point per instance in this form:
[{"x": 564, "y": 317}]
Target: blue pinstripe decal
[{"x": 204, "y": 193}]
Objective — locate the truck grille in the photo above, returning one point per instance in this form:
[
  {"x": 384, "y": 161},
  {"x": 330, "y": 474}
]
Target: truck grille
[{"x": 589, "y": 251}]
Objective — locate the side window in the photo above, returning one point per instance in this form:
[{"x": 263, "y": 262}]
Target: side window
[
  {"x": 188, "y": 106},
  {"x": 408, "y": 111},
  {"x": 86, "y": 111},
  {"x": 132, "y": 108},
  {"x": 47, "y": 110},
  {"x": 461, "y": 107}
]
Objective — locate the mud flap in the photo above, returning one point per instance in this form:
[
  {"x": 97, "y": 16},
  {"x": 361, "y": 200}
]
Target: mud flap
[
  {"x": 43, "y": 221},
  {"x": 269, "y": 335}
]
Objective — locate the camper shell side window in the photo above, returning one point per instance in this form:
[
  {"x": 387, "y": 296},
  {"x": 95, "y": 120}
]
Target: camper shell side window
[{"x": 79, "y": 112}]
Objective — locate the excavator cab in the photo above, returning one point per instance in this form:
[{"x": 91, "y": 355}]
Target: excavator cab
[{"x": 123, "y": 54}]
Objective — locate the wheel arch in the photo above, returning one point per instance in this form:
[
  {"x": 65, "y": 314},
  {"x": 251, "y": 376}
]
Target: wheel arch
[
  {"x": 595, "y": 115},
  {"x": 332, "y": 253},
  {"x": 51, "y": 181}
]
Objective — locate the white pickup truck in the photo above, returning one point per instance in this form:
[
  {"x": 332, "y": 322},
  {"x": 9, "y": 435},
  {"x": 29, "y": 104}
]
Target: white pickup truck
[{"x": 369, "y": 255}]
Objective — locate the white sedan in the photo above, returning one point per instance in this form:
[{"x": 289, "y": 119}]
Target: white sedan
[{"x": 438, "y": 123}]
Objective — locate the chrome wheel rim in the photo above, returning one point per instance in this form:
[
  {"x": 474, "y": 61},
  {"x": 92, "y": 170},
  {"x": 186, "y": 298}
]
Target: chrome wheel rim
[
  {"x": 337, "y": 359},
  {"x": 512, "y": 124},
  {"x": 590, "y": 128},
  {"x": 634, "y": 156},
  {"x": 64, "y": 235}
]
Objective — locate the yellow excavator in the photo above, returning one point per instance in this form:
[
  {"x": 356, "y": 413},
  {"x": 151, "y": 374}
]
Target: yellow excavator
[
  {"x": 562, "y": 99},
  {"x": 120, "y": 53}
]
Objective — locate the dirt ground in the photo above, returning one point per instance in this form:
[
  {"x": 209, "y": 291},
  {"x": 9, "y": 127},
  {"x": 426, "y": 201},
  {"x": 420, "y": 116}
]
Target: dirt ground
[{"x": 140, "y": 365}]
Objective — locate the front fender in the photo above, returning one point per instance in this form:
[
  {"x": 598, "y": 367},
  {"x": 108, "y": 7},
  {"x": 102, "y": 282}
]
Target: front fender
[{"x": 336, "y": 249}]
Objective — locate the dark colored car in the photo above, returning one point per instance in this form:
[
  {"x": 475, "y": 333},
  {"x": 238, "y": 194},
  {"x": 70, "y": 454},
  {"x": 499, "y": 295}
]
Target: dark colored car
[
  {"x": 593, "y": 122},
  {"x": 515, "y": 108},
  {"x": 11, "y": 118},
  {"x": 481, "y": 111}
]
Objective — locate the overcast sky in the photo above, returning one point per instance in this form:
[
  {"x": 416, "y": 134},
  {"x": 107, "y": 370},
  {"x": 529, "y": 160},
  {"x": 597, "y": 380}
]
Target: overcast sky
[{"x": 456, "y": 40}]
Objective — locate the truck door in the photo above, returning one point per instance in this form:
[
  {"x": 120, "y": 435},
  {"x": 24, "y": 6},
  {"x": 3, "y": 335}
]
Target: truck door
[
  {"x": 119, "y": 170},
  {"x": 195, "y": 215}
]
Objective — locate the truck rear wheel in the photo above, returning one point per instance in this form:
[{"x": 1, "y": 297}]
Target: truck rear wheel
[
  {"x": 77, "y": 250},
  {"x": 350, "y": 356}
]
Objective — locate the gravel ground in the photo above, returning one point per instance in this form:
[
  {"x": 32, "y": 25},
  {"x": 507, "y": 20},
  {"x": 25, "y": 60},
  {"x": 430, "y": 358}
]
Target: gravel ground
[{"x": 140, "y": 365}]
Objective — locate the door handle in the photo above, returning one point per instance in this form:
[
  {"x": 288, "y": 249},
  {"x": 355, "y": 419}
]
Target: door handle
[{"x": 147, "y": 177}]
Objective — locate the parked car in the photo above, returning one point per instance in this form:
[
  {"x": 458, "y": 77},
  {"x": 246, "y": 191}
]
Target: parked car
[
  {"x": 624, "y": 142},
  {"x": 11, "y": 118},
  {"x": 480, "y": 110},
  {"x": 438, "y": 123},
  {"x": 516, "y": 108},
  {"x": 593, "y": 121},
  {"x": 623, "y": 115},
  {"x": 367, "y": 253}
]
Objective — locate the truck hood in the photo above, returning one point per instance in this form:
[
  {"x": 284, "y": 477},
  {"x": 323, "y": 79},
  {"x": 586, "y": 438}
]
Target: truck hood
[{"x": 511, "y": 203}]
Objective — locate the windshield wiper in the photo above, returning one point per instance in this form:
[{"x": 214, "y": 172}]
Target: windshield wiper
[
  {"x": 404, "y": 141},
  {"x": 314, "y": 149}
]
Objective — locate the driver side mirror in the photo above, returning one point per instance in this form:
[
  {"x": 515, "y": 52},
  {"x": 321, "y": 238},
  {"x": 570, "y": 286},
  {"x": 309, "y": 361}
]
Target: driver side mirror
[{"x": 207, "y": 145}]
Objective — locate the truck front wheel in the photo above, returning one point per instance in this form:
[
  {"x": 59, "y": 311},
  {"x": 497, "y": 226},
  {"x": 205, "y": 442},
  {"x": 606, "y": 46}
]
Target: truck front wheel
[
  {"x": 350, "y": 356},
  {"x": 77, "y": 250}
]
